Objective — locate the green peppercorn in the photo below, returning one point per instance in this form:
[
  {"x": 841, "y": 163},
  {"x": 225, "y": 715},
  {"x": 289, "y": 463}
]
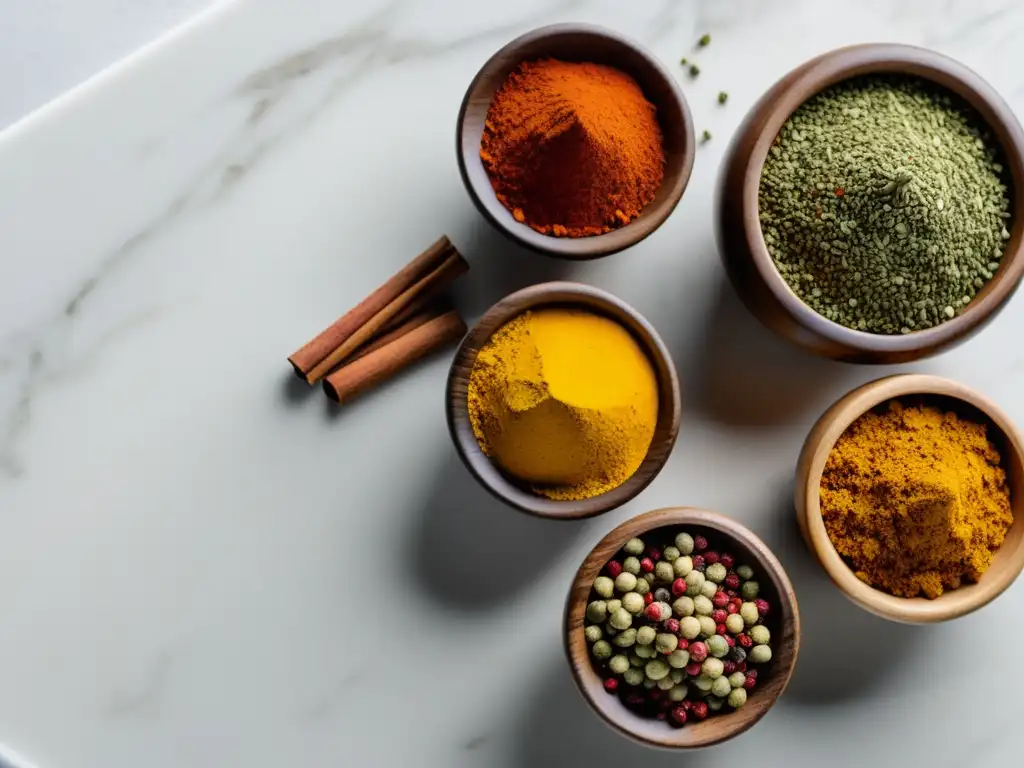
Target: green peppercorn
[
  {"x": 678, "y": 658},
  {"x": 642, "y": 587},
  {"x": 670, "y": 553},
  {"x": 760, "y": 634},
  {"x": 618, "y": 664},
  {"x": 720, "y": 688},
  {"x": 760, "y": 654},
  {"x": 682, "y": 566},
  {"x": 710, "y": 589},
  {"x": 666, "y": 643},
  {"x": 656, "y": 669},
  {"x": 734, "y": 623},
  {"x": 722, "y": 97},
  {"x": 744, "y": 572},
  {"x": 689, "y": 627},
  {"x": 649, "y": 578},
  {"x": 677, "y": 675},
  {"x": 684, "y": 61},
  {"x": 633, "y": 547},
  {"x": 706, "y": 136},
  {"x": 678, "y": 693},
  {"x": 737, "y": 679},
  {"x": 737, "y": 697},
  {"x": 645, "y": 651},
  {"x": 749, "y": 590},
  {"x": 613, "y": 605},
  {"x": 645, "y": 635},
  {"x": 631, "y": 565},
  {"x": 625, "y": 638},
  {"x": 635, "y": 660},
  {"x": 683, "y": 606},
  {"x": 633, "y": 676},
  {"x": 712, "y": 668},
  {"x": 649, "y": 684},
  {"x": 694, "y": 70},
  {"x": 702, "y": 606},
  {"x": 705, "y": 40},
  {"x": 717, "y": 646},
  {"x": 666, "y": 684},
  {"x": 609, "y": 630},
  {"x": 633, "y": 602},
  {"x": 625, "y": 582},
  {"x": 703, "y": 683},
  {"x": 694, "y": 582},
  {"x": 597, "y": 611},
  {"x": 716, "y": 573},
  {"x": 621, "y": 619},
  {"x": 602, "y": 649},
  {"x": 684, "y": 543},
  {"x": 664, "y": 572},
  {"x": 707, "y": 625},
  {"x": 604, "y": 586},
  {"x": 749, "y": 613},
  {"x": 715, "y": 703},
  {"x": 593, "y": 633}
]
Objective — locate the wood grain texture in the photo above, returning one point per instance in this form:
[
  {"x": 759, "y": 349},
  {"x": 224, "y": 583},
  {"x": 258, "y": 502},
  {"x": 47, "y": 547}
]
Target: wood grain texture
[
  {"x": 741, "y": 243},
  {"x": 578, "y": 42},
  {"x": 1009, "y": 559},
  {"x": 593, "y": 299},
  {"x": 783, "y": 622}
]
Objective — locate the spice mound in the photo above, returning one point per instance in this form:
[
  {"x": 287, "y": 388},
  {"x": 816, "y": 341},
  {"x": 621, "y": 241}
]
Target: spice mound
[
  {"x": 676, "y": 627},
  {"x": 883, "y": 205},
  {"x": 564, "y": 400},
  {"x": 915, "y": 500},
  {"x": 572, "y": 149}
]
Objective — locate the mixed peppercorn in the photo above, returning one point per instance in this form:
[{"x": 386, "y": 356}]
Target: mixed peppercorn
[{"x": 676, "y": 630}]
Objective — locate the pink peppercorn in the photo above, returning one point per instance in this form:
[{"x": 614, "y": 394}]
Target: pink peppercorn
[
  {"x": 684, "y": 644},
  {"x": 730, "y": 608},
  {"x": 762, "y": 606},
  {"x": 699, "y": 543},
  {"x": 749, "y": 682},
  {"x": 698, "y": 651},
  {"x": 728, "y": 667},
  {"x": 719, "y": 616},
  {"x": 711, "y": 557},
  {"x": 647, "y": 565},
  {"x": 648, "y": 598},
  {"x": 678, "y": 715},
  {"x": 614, "y": 568},
  {"x": 720, "y": 600},
  {"x": 727, "y": 560},
  {"x": 653, "y": 612},
  {"x": 745, "y": 641},
  {"x": 654, "y": 553},
  {"x": 698, "y": 563},
  {"x": 660, "y": 715},
  {"x": 737, "y": 601},
  {"x": 699, "y": 709},
  {"x": 741, "y": 666},
  {"x": 672, "y": 625},
  {"x": 654, "y": 694},
  {"x": 732, "y": 581},
  {"x": 730, "y": 641},
  {"x": 678, "y": 587},
  {"x": 635, "y": 700},
  {"x": 693, "y": 669},
  {"x": 611, "y": 685},
  {"x": 722, "y": 630}
]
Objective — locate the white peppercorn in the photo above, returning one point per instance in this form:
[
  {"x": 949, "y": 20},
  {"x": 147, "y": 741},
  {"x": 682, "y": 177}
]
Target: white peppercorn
[
  {"x": 621, "y": 619},
  {"x": 716, "y": 573},
  {"x": 625, "y": 638},
  {"x": 720, "y": 687},
  {"x": 694, "y": 583},
  {"x": 645, "y": 635},
  {"x": 683, "y": 606},
  {"x": 666, "y": 643},
  {"x": 760, "y": 634},
  {"x": 618, "y": 664},
  {"x": 633, "y": 676},
  {"x": 702, "y": 606},
  {"x": 597, "y": 611},
  {"x": 593, "y": 633},
  {"x": 633, "y": 547},
  {"x": 760, "y": 654},
  {"x": 737, "y": 697},
  {"x": 625, "y": 582},
  {"x": 613, "y": 605},
  {"x": 664, "y": 572},
  {"x": 602, "y": 649},
  {"x": 656, "y": 669},
  {"x": 689, "y": 627},
  {"x": 734, "y": 623},
  {"x": 684, "y": 543},
  {"x": 678, "y": 658},
  {"x": 712, "y": 668},
  {"x": 631, "y": 565},
  {"x": 633, "y": 602},
  {"x": 604, "y": 586}
]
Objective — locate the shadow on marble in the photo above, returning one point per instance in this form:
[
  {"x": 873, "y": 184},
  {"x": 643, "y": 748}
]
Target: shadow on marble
[
  {"x": 743, "y": 375},
  {"x": 294, "y": 391},
  {"x": 470, "y": 551},
  {"x": 845, "y": 652}
]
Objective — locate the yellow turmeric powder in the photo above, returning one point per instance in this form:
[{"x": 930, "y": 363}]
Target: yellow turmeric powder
[
  {"x": 915, "y": 500},
  {"x": 564, "y": 400}
]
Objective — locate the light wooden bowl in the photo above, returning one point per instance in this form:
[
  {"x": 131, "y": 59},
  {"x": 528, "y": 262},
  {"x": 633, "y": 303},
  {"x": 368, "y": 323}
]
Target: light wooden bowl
[
  {"x": 578, "y": 42},
  {"x": 783, "y": 622},
  {"x": 573, "y": 295},
  {"x": 1009, "y": 559},
  {"x": 741, "y": 243}
]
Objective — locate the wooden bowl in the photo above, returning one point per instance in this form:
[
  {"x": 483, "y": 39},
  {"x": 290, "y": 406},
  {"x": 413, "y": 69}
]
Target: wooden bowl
[
  {"x": 741, "y": 243},
  {"x": 783, "y": 622},
  {"x": 595, "y": 300},
  {"x": 578, "y": 42},
  {"x": 1009, "y": 559}
]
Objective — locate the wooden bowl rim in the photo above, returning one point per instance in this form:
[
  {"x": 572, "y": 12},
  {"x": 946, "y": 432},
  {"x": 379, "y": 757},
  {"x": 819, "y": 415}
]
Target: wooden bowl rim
[
  {"x": 580, "y": 248},
  {"x": 561, "y": 293},
  {"x": 841, "y": 64},
  {"x": 667, "y": 517},
  {"x": 846, "y": 410}
]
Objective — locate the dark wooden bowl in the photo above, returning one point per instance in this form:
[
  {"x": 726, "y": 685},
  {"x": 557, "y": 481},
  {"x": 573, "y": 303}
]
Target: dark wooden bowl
[
  {"x": 1008, "y": 561},
  {"x": 783, "y": 622},
  {"x": 741, "y": 244},
  {"x": 578, "y": 42},
  {"x": 595, "y": 300}
]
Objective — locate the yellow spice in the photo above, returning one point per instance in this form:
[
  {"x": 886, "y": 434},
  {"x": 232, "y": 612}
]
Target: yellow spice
[{"x": 565, "y": 400}]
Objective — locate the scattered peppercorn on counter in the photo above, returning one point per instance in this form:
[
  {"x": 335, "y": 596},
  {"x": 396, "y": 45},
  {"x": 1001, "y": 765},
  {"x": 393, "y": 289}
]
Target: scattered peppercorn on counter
[{"x": 885, "y": 205}]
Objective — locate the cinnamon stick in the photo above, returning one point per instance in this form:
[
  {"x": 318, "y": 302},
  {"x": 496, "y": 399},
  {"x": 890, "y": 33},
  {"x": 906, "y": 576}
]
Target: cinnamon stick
[
  {"x": 394, "y": 332},
  {"x": 316, "y": 350},
  {"x": 383, "y": 363},
  {"x": 453, "y": 266}
]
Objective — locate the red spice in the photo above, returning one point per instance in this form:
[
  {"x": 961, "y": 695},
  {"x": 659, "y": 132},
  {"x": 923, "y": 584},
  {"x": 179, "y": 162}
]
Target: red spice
[
  {"x": 698, "y": 651},
  {"x": 647, "y": 565},
  {"x": 614, "y": 568},
  {"x": 699, "y": 709},
  {"x": 611, "y": 685},
  {"x": 678, "y": 715},
  {"x": 730, "y": 608},
  {"x": 762, "y": 606},
  {"x": 654, "y": 553},
  {"x": 679, "y": 587},
  {"x": 745, "y": 641},
  {"x": 572, "y": 149},
  {"x": 649, "y": 598},
  {"x": 732, "y": 581},
  {"x": 720, "y": 629},
  {"x": 727, "y": 560},
  {"x": 720, "y": 600},
  {"x": 653, "y": 611},
  {"x": 672, "y": 625},
  {"x": 684, "y": 644},
  {"x": 693, "y": 669},
  {"x": 719, "y": 615},
  {"x": 698, "y": 562},
  {"x": 711, "y": 557},
  {"x": 749, "y": 682},
  {"x": 699, "y": 543},
  {"x": 730, "y": 641},
  {"x": 728, "y": 667},
  {"x": 840, "y": 192}
]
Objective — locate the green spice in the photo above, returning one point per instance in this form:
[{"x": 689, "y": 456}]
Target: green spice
[
  {"x": 601, "y": 649},
  {"x": 633, "y": 547},
  {"x": 706, "y": 136},
  {"x": 593, "y": 633},
  {"x": 749, "y": 590},
  {"x": 716, "y": 573},
  {"x": 717, "y": 646},
  {"x": 689, "y": 627},
  {"x": 759, "y": 654},
  {"x": 722, "y": 97},
  {"x": 597, "y": 611},
  {"x": 671, "y": 554},
  {"x": 625, "y": 582},
  {"x": 737, "y": 697},
  {"x": 705, "y": 40},
  {"x": 684, "y": 543},
  {"x": 694, "y": 583},
  {"x": 684, "y": 61},
  {"x": 694, "y": 70},
  {"x": 604, "y": 586},
  {"x": 633, "y": 602},
  {"x": 682, "y": 565},
  {"x": 720, "y": 687},
  {"x": 645, "y": 635},
  {"x": 760, "y": 634},
  {"x": 882, "y": 204},
  {"x": 684, "y": 606},
  {"x": 663, "y": 572},
  {"x": 618, "y": 664}
]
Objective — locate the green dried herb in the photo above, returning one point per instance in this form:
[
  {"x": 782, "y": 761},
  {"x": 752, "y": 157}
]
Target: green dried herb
[
  {"x": 722, "y": 97},
  {"x": 706, "y": 136},
  {"x": 705, "y": 40},
  {"x": 684, "y": 61},
  {"x": 883, "y": 205},
  {"x": 694, "y": 70}
]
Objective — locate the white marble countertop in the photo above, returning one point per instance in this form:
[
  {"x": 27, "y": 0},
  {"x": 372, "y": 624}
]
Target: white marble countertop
[{"x": 202, "y": 566}]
